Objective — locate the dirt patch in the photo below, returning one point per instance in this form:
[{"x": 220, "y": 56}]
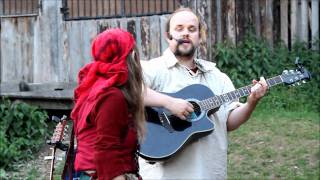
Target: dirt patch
[{"x": 38, "y": 168}]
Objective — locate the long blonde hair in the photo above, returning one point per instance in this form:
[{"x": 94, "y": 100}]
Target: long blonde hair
[{"x": 133, "y": 92}]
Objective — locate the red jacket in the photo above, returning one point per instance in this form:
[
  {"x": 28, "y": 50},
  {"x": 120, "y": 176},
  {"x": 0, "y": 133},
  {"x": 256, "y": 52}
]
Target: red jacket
[{"x": 107, "y": 142}]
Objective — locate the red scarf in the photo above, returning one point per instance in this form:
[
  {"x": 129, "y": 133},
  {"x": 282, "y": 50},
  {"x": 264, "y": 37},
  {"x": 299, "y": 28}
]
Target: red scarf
[{"x": 109, "y": 68}]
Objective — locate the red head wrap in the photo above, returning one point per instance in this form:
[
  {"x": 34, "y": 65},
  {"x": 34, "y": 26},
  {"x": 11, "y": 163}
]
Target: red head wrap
[{"x": 109, "y": 68}]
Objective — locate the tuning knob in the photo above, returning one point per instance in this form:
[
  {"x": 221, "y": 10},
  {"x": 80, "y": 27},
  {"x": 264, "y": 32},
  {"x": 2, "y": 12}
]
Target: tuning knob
[{"x": 303, "y": 81}]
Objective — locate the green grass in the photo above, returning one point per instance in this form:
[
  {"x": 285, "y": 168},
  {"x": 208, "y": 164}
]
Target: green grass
[{"x": 275, "y": 144}]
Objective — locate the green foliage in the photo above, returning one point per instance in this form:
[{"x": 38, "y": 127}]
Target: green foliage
[
  {"x": 253, "y": 58},
  {"x": 22, "y": 131}
]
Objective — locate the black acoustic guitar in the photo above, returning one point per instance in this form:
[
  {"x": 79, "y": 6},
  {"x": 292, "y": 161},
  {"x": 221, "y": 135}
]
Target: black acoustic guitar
[{"x": 167, "y": 134}]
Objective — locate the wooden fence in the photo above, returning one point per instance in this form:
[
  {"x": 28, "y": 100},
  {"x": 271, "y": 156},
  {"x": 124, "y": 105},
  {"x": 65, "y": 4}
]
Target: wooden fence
[{"x": 45, "y": 48}]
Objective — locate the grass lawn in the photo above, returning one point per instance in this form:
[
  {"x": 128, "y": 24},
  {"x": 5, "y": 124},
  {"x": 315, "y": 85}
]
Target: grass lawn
[
  {"x": 273, "y": 144},
  {"x": 276, "y": 145}
]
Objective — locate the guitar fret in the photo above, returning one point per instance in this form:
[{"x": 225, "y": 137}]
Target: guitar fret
[
  {"x": 233, "y": 95},
  {"x": 230, "y": 96},
  {"x": 272, "y": 82},
  {"x": 216, "y": 100},
  {"x": 246, "y": 91},
  {"x": 226, "y": 97},
  {"x": 208, "y": 104},
  {"x": 278, "y": 79},
  {"x": 268, "y": 83},
  {"x": 220, "y": 99},
  {"x": 211, "y": 101},
  {"x": 237, "y": 93}
]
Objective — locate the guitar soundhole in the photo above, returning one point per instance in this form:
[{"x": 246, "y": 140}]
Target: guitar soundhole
[
  {"x": 196, "y": 107},
  {"x": 196, "y": 113},
  {"x": 179, "y": 125}
]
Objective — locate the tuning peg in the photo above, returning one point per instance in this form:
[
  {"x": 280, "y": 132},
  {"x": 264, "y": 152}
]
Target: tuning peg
[
  {"x": 55, "y": 119},
  {"x": 285, "y": 71},
  {"x": 291, "y": 71},
  {"x": 298, "y": 83},
  {"x": 303, "y": 81},
  {"x": 64, "y": 117}
]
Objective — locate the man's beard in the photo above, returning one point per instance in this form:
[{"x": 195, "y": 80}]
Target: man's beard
[{"x": 188, "y": 53}]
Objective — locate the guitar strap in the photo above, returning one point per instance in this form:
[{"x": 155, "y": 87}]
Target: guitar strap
[{"x": 68, "y": 166}]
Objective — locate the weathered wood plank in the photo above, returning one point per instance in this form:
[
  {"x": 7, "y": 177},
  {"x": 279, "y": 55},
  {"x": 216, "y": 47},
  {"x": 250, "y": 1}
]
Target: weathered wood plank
[
  {"x": 145, "y": 38},
  {"x": 16, "y": 49},
  {"x": 284, "y": 21},
  {"x": 219, "y": 21},
  {"x": 256, "y": 18},
  {"x": 131, "y": 27},
  {"x": 231, "y": 21},
  {"x": 138, "y": 34},
  {"x": 0, "y": 53},
  {"x": 315, "y": 23},
  {"x": 276, "y": 24},
  {"x": 242, "y": 19},
  {"x": 267, "y": 20},
  {"x": 213, "y": 26},
  {"x": 154, "y": 24},
  {"x": 293, "y": 20},
  {"x": 203, "y": 14},
  {"x": 163, "y": 41},
  {"x": 46, "y": 65},
  {"x": 44, "y": 99},
  {"x": 304, "y": 21}
]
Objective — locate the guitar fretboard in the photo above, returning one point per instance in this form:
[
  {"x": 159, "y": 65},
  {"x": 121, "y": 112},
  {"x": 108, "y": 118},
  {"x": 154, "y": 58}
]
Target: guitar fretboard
[{"x": 217, "y": 101}]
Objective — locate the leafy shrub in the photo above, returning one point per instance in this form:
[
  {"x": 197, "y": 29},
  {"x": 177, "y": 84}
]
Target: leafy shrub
[
  {"x": 22, "y": 131},
  {"x": 253, "y": 58}
]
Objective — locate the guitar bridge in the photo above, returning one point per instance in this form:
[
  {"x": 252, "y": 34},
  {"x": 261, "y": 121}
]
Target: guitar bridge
[{"x": 166, "y": 122}]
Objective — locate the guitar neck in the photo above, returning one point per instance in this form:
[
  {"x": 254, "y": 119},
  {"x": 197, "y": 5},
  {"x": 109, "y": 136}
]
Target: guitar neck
[{"x": 217, "y": 101}]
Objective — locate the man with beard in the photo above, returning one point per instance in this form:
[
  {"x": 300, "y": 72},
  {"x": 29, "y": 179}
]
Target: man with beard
[{"x": 177, "y": 68}]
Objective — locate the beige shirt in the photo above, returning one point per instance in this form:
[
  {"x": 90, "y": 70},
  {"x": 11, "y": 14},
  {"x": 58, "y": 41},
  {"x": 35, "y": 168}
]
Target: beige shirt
[{"x": 205, "y": 158}]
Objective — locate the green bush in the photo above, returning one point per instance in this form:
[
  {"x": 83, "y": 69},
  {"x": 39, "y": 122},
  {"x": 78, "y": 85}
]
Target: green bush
[
  {"x": 253, "y": 58},
  {"x": 22, "y": 131}
]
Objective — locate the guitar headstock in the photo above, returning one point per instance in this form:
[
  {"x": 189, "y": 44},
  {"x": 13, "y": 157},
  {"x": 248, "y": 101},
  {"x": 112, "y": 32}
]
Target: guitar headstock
[
  {"x": 292, "y": 77},
  {"x": 59, "y": 133}
]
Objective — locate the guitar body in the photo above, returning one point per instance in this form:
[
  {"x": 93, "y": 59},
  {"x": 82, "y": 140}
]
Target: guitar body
[
  {"x": 162, "y": 142},
  {"x": 167, "y": 134}
]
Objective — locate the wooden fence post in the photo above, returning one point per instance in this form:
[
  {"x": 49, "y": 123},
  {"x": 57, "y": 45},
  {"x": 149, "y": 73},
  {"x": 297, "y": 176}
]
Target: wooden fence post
[
  {"x": 257, "y": 20},
  {"x": 303, "y": 33},
  {"x": 315, "y": 23},
  {"x": 219, "y": 21},
  {"x": 293, "y": 20},
  {"x": 284, "y": 21},
  {"x": 230, "y": 21}
]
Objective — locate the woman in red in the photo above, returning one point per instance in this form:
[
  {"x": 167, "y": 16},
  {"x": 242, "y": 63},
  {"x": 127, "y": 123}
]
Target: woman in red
[{"x": 109, "y": 114}]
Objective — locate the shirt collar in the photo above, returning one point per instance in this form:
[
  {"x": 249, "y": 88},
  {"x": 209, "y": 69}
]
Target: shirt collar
[{"x": 171, "y": 60}]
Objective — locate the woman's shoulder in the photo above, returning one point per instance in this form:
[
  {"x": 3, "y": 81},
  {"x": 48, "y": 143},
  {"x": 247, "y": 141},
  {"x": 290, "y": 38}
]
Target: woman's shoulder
[{"x": 112, "y": 94}]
